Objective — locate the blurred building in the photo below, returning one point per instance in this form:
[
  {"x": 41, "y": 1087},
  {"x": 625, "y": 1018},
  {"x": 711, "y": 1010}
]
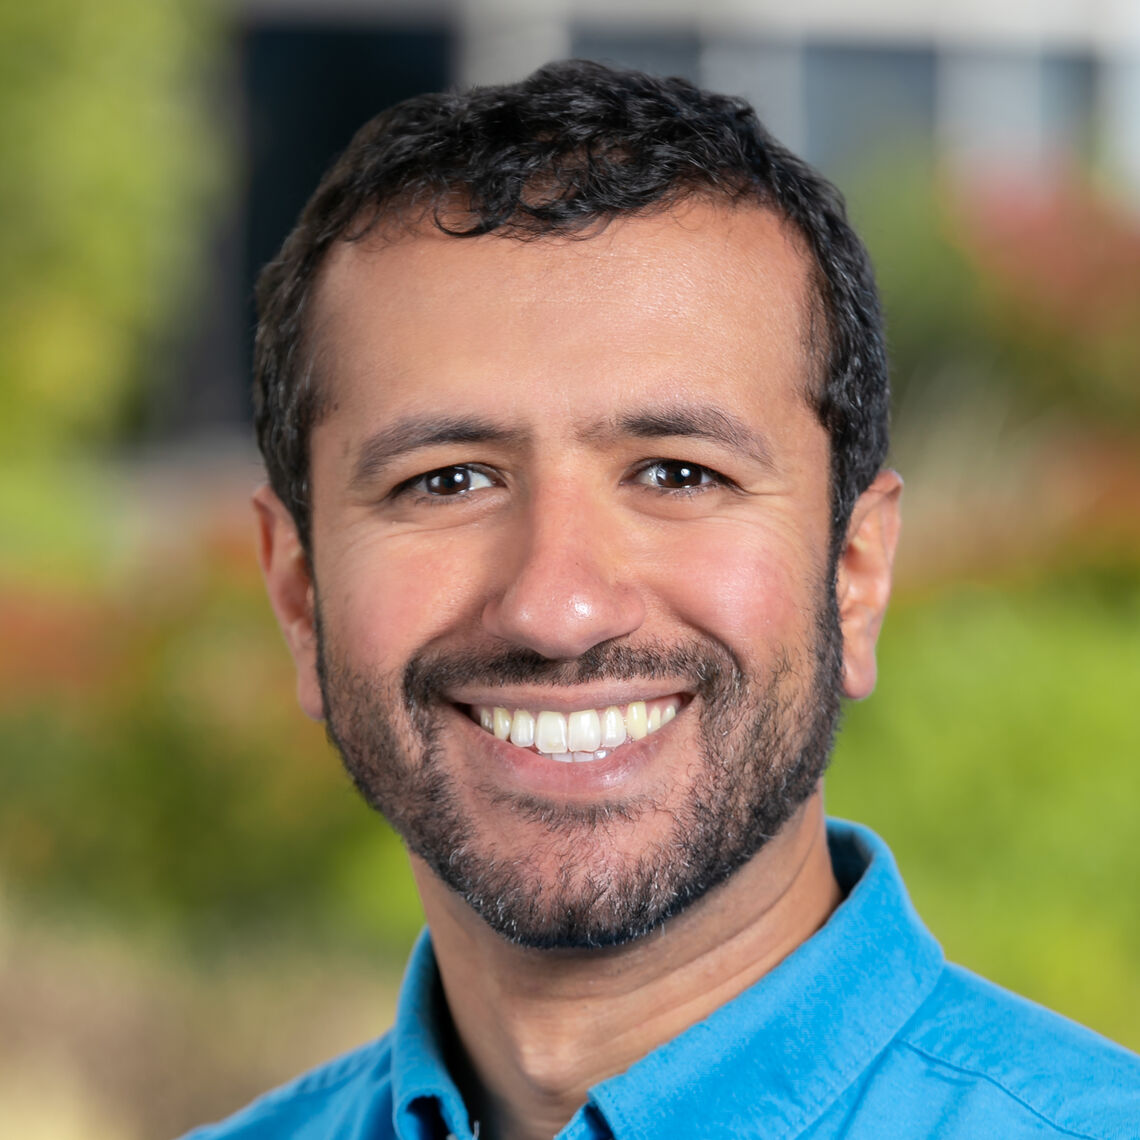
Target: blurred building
[{"x": 1027, "y": 85}]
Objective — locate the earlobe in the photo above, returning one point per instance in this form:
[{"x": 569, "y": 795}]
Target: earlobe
[
  {"x": 289, "y": 583},
  {"x": 863, "y": 581}
]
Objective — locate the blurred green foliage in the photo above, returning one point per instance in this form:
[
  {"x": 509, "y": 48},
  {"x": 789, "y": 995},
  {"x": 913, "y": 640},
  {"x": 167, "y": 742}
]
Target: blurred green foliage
[
  {"x": 1027, "y": 287},
  {"x": 998, "y": 756},
  {"x": 159, "y": 771},
  {"x": 107, "y": 160}
]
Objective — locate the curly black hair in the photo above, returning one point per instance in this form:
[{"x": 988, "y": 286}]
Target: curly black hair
[{"x": 562, "y": 153}]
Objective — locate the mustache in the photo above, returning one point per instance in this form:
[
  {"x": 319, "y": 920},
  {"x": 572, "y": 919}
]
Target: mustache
[{"x": 706, "y": 666}]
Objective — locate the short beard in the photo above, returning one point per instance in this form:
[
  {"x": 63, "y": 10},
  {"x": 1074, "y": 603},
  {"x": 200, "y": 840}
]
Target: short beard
[{"x": 763, "y": 752}]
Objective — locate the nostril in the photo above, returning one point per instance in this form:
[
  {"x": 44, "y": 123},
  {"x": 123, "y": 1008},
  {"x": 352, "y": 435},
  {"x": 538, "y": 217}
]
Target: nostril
[{"x": 564, "y": 627}]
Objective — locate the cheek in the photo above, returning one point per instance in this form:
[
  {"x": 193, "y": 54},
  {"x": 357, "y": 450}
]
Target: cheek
[
  {"x": 384, "y": 601},
  {"x": 748, "y": 594}
]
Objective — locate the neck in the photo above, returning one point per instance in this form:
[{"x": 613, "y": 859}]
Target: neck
[{"x": 537, "y": 1028}]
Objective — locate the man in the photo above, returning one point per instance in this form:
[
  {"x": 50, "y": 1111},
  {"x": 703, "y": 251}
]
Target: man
[{"x": 573, "y": 399}]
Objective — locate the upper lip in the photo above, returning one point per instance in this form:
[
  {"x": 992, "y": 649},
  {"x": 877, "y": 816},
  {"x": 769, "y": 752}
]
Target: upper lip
[{"x": 569, "y": 700}]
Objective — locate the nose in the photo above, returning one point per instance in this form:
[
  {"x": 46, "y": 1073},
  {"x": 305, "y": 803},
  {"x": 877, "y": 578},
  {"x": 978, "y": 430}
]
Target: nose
[{"x": 564, "y": 586}]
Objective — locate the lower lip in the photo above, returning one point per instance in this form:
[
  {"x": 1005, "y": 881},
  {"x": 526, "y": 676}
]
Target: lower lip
[{"x": 530, "y": 771}]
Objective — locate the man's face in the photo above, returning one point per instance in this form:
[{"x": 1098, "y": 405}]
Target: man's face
[{"x": 558, "y": 478}]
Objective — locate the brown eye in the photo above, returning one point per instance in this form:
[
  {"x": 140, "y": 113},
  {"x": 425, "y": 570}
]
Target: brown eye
[
  {"x": 675, "y": 475},
  {"x": 456, "y": 480}
]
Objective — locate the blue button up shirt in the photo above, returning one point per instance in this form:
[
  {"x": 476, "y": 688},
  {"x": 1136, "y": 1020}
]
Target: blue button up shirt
[{"x": 864, "y": 1033}]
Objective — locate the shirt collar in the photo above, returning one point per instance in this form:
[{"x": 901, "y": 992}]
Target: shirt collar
[
  {"x": 777, "y": 1055},
  {"x": 426, "y": 1102}
]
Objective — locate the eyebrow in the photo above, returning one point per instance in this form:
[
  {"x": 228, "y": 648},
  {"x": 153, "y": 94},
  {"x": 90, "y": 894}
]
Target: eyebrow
[
  {"x": 696, "y": 421},
  {"x": 414, "y": 433},
  {"x": 693, "y": 421}
]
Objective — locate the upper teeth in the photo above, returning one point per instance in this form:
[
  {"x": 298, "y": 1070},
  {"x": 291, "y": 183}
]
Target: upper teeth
[{"x": 586, "y": 731}]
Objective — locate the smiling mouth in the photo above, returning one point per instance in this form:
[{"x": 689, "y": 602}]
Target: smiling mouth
[{"x": 578, "y": 737}]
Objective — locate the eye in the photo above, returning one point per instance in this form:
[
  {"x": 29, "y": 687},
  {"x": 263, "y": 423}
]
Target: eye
[
  {"x": 446, "y": 482},
  {"x": 676, "y": 475}
]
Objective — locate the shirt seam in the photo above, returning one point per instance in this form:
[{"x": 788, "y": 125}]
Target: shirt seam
[
  {"x": 981, "y": 1075},
  {"x": 848, "y": 1078},
  {"x": 324, "y": 1086}
]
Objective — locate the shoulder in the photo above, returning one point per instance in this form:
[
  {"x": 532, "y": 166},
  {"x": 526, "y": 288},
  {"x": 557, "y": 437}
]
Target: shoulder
[
  {"x": 1065, "y": 1076},
  {"x": 345, "y": 1098}
]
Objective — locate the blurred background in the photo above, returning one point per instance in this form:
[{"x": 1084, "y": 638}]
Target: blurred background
[{"x": 193, "y": 904}]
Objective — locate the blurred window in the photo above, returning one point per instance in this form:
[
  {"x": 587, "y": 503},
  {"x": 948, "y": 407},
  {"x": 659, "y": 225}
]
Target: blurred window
[
  {"x": 863, "y": 103},
  {"x": 1016, "y": 108},
  {"x": 657, "y": 51},
  {"x": 1069, "y": 95},
  {"x": 769, "y": 74}
]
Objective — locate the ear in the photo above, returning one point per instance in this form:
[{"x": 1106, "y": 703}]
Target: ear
[
  {"x": 289, "y": 581},
  {"x": 863, "y": 582}
]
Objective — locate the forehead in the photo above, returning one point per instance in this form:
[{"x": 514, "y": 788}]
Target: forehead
[{"x": 680, "y": 302}]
